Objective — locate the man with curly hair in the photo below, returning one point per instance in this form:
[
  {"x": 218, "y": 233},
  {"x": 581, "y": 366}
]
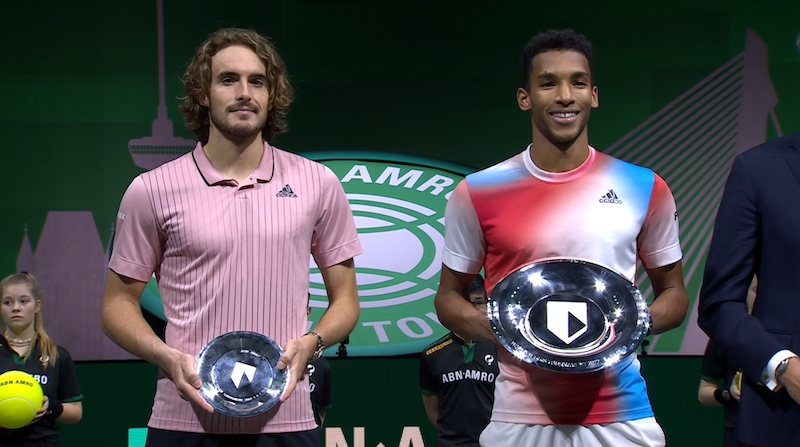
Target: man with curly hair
[{"x": 227, "y": 229}]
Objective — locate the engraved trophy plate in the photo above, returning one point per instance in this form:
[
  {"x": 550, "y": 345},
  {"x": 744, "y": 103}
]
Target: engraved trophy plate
[
  {"x": 568, "y": 315},
  {"x": 240, "y": 374}
]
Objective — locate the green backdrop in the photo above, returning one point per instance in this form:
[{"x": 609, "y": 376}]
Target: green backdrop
[{"x": 427, "y": 78}]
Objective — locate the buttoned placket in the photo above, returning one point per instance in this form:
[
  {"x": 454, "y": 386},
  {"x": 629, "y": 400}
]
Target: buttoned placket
[{"x": 244, "y": 211}]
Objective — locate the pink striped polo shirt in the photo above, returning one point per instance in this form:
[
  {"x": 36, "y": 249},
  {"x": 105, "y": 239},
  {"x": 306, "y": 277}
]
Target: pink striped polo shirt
[{"x": 232, "y": 257}]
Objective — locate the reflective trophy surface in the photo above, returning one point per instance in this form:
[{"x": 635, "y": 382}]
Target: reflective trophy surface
[
  {"x": 568, "y": 315},
  {"x": 240, "y": 374}
]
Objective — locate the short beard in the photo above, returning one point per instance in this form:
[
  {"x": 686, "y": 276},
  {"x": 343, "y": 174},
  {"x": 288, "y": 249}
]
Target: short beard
[{"x": 236, "y": 131}]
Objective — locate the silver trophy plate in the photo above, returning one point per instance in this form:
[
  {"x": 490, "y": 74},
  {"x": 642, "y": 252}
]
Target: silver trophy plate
[
  {"x": 240, "y": 374},
  {"x": 568, "y": 315}
]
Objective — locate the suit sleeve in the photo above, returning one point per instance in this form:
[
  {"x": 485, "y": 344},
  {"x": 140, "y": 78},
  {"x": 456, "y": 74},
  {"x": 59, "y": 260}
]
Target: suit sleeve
[{"x": 722, "y": 311}]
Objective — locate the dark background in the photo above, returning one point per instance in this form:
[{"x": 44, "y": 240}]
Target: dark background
[{"x": 428, "y": 78}]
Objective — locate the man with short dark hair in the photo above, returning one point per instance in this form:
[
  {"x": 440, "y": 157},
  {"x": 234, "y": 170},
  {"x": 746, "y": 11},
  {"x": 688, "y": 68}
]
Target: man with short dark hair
[{"x": 561, "y": 198}]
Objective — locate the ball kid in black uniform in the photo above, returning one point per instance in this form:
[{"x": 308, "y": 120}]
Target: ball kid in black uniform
[
  {"x": 25, "y": 346},
  {"x": 457, "y": 380},
  {"x": 319, "y": 376}
]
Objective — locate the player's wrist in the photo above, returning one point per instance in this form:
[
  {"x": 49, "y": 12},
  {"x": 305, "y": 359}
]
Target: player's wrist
[
  {"x": 317, "y": 346},
  {"x": 165, "y": 356}
]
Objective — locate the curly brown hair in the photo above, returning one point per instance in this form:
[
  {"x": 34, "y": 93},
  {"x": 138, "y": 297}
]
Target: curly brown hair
[{"x": 197, "y": 80}]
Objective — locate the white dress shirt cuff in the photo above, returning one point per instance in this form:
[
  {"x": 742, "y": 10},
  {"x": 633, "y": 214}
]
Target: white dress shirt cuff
[{"x": 768, "y": 375}]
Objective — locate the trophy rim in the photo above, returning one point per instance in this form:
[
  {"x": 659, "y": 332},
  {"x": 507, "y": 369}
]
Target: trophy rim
[
  {"x": 624, "y": 333},
  {"x": 255, "y": 343}
]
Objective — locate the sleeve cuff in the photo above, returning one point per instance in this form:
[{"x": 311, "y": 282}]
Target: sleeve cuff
[{"x": 768, "y": 375}]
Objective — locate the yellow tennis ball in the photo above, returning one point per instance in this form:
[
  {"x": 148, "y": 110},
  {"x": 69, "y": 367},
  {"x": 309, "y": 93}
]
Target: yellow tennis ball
[{"x": 20, "y": 399}]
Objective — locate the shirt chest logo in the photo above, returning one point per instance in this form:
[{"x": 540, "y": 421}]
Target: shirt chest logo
[
  {"x": 611, "y": 197},
  {"x": 286, "y": 192}
]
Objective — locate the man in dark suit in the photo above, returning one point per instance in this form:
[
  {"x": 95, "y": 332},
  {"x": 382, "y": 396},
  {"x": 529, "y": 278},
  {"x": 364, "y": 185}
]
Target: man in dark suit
[{"x": 757, "y": 231}]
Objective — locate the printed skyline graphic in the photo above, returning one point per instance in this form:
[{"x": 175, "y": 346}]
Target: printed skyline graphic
[
  {"x": 162, "y": 146},
  {"x": 690, "y": 142},
  {"x": 71, "y": 264}
]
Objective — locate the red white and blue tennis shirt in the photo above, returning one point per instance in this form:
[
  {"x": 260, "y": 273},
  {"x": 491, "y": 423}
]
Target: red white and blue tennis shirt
[{"x": 606, "y": 211}]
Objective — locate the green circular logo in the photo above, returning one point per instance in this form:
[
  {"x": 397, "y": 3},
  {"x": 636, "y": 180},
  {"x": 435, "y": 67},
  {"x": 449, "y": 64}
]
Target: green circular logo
[{"x": 398, "y": 204}]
